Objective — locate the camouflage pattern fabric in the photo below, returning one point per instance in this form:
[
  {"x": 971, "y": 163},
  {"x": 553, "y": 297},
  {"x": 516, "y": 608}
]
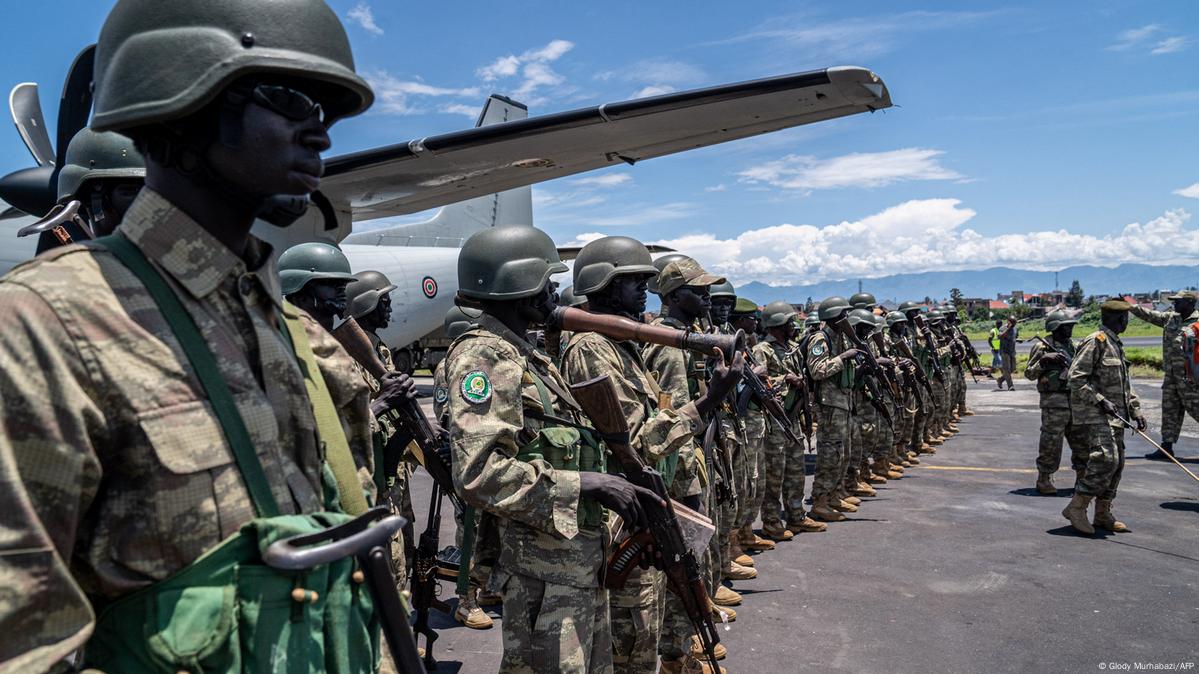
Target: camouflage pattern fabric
[
  {"x": 1099, "y": 372},
  {"x": 654, "y": 434},
  {"x": 753, "y": 457},
  {"x": 548, "y": 567},
  {"x": 833, "y": 435},
  {"x": 114, "y": 397},
  {"x": 554, "y": 628},
  {"x": 1105, "y": 461},
  {"x": 673, "y": 367},
  {"x": 1055, "y": 410},
  {"x": 866, "y": 430},
  {"x": 1179, "y": 396},
  {"x": 783, "y": 487}
]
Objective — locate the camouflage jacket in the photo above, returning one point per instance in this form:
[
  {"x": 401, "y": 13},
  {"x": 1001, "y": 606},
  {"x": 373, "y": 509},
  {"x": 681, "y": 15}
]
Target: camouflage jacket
[
  {"x": 1050, "y": 378},
  {"x": 489, "y": 373},
  {"x": 773, "y": 354},
  {"x": 119, "y": 451},
  {"x": 441, "y": 395},
  {"x": 1173, "y": 339},
  {"x": 833, "y": 376},
  {"x": 1100, "y": 372},
  {"x": 680, "y": 374}
]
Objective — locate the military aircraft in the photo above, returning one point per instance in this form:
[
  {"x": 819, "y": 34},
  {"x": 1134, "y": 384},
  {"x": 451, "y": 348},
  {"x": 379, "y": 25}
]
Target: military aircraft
[{"x": 479, "y": 176}]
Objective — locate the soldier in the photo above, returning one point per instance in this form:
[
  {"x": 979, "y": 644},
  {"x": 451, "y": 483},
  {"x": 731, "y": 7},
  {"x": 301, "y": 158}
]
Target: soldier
[
  {"x": 830, "y": 362},
  {"x": 905, "y": 451},
  {"x": 734, "y": 563},
  {"x": 784, "y": 460},
  {"x": 888, "y": 463},
  {"x": 1047, "y": 366},
  {"x": 922, "y": 440},
  {"x": 1180, "y": 392},
  {"x": 101, "y": 171},
  {"x": 142, "y": 480},
  {"x": 543, "y": 481},
  {"x": 313, "y": 276},
  {"x": 1100, "y": 394},
  {"x": 746, "y": 317},
  {"x": 953, "y": 321},
  {"x": 942, "y": 387},
  {"x": 864, "y": 421},
  {"x": 613, "y": 273},
  {"x": 683, "y": 286}
]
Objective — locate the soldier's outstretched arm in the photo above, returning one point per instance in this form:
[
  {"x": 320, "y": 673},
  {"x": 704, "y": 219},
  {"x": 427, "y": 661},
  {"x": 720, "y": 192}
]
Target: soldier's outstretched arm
[
  {"x": 49, "y": 474},
  {"x": 1158, "y": 318},
  {"x": 486, "y": 416}
]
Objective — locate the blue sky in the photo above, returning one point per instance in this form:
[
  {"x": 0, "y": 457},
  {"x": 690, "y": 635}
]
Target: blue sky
[{"x": 1032, "y": 135}]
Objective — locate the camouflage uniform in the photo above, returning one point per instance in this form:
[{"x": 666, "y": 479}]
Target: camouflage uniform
[
  {"x": 555, "y": 610},
  {"x": 113, "y": 397},
  {"x": 1055, "y": 410},
  {"x": 1099, "y": 372},
  {"x": 783, "y": 460},
  {"x": 1180, "y": 396},
  {"x": 657, "y": 435},
  {"x": 834, "y": 378},
  {"x": 753, "y": 457}
]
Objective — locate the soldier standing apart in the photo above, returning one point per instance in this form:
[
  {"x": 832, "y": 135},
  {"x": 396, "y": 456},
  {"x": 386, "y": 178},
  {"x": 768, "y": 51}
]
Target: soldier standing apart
[
  {"x": 784, "y": 460},
  {"x": 683, "y": 285},
  {"x": 1180, "y": 391},
  {"x": 1047, "y": 365},
  {"x": 122, "y": 453},
  {"x": 747, "y": 318},
  {"x": 1100, "y": 390},
  {"x": 830, "y": 362},
  {"x": 1007, "y": 353},
  {"x": 542, "y": 481}
]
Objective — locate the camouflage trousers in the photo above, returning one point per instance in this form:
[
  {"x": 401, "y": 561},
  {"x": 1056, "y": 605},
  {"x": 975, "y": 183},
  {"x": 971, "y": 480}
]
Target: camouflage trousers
[
  {"x": 940, "y": 416},
  {"x": 1105, "y": 461},
  {"x": 636, "y": 618},
  {"x": 749, "y": 501},
  {"x": 905, "y": 417},
  {"x": 955, "y": 384},
  {"x": 863, "y": 431},
  {"x": 784, "y": 488},
  {"x": 961, "y": 393},
  {"x": 832, "y": 449},
  {"x": 1056, "y": 426},
  {"x": 733, "y": 432},
  {"x": 554, "y": 628},
  {"x": 1178, "y": 399},
  {"x": 921, "y": 419}
]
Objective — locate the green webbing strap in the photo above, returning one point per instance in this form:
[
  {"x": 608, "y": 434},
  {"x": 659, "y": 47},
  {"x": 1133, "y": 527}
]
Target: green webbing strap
[
  {"x": 205, "y": 366},
  {"x": 328, "y": 423}
]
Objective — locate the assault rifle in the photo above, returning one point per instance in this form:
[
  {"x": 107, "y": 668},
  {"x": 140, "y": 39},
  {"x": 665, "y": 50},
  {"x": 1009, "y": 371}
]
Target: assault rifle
[
  {"x": 764, "y": 393},
  {"x": 872, "y": 371},
  {"x": 930, "y": 344},
  {"x": 677, "y": 561}
]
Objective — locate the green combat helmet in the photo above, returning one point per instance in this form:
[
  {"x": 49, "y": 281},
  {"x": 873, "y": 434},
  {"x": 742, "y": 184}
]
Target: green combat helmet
[
  {"x": 507, "y": 263},
  {"x": 745, "y": 307},
  {"x": 365, "y": 291},
  {"x": 210, "y": 44},
  {"x": 896, "y": 317},
  {"x": 862, "y": 301},
  {"x": 935, "y": 316},
  {"x": 458, "y": 320},
  {"x": 910, "y": 306},
  {"x": 604, "y": 259},
  {"x": 1058, "y": 318},
  {"x": 92, "y": 156},
  {"x": 776, "y": 314},
  {"x": 660, "y": 264},
  {"x": 568, "y": 298},
  {"x": 811, "y": 320},
  {"x": 309, "y": 262},
  {"x": 858, "y": 316},
  {"x": 832, "y": 307},
  {"x": 724, "y": 289}
]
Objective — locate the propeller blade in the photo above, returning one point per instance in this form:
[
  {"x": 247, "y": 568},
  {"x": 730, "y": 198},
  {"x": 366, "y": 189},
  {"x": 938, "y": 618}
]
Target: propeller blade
[
  {"x": 32, "y": 190},
  {"x": 26, "y": 109},
  {"x": 76, "y": 104}
]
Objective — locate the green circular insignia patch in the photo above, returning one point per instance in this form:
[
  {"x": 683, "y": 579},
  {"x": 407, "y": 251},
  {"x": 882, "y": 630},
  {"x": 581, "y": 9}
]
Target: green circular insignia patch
[
  {"x": 440, "y": 395},
  {"x": 818, "y": 349},
  {"x": 476, "y": 387}
]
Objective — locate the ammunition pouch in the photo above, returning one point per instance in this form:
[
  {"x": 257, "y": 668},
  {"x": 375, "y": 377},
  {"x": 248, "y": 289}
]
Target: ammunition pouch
[{"x": 567, "y": 448}]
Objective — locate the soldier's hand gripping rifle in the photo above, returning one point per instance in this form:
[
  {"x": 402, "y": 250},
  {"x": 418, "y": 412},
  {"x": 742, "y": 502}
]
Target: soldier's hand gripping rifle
[
  {"x": 768, "y": 400},
  {"x": 905, "y": 350},
  {"x": 930, "y": 344},
  {"x": 424, "y": 577},
  {"x": 665, "y": 535},
  {"x": 874, "y": 378},
  {"x": 1066, "y": 358}
]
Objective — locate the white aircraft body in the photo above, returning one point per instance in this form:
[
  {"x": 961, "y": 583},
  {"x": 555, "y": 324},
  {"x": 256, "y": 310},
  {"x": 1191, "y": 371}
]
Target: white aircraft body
[{"x": 481, "y": 176}]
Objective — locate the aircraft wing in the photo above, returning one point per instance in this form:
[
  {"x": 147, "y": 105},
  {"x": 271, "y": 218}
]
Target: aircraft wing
[{"x": 453, "y": 167}]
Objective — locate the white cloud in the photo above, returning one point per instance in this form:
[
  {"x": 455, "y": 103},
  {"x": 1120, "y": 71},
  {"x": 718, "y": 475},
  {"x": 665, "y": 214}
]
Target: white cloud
[
  {"x": 1192, "y": 191},
  {"x": 606, "y": 180},
  {"x": 362, "y": 15},
  {"x": 471, "y": 111},
  {"x": 1134, "y": 36},
  {"x": 716, "y": 188},
  {"x": 402, "y": 97},
  {"x": 1170, "y": 45},
  {"x": 862, "y": 169},
  {"x": 653, "y": 90},
  {"x": 533, "y": 67},
  {"x": 926, "y": 235}
]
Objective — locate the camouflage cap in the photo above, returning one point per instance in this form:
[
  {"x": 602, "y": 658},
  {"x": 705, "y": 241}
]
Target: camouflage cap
[
  {"x": 745, "y": 306},
  {"x": 1184, "y": 295},
  {"x": 1115, "y": 305},
  {"x": 685, "y": 272}
]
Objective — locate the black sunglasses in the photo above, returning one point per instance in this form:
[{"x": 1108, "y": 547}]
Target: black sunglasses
[{"x": 292, "y": 104}]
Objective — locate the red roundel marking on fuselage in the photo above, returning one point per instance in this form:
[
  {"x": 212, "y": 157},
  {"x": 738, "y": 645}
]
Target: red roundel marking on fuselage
[{"x": 429, "y": 287}]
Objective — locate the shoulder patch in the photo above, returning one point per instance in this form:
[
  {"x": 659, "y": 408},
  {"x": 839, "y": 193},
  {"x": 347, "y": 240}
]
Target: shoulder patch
[
  {"x": 1101, "y": 337},
  {"x": 818, "y": 349},
  {"x": 440, "y": 395},
  {"x": 476, "y": 387}
]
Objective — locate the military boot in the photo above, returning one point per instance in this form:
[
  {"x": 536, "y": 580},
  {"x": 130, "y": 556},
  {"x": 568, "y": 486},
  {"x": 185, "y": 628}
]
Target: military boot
[
  {"x": 968, "y": 413},
  {"x": 1076, "y": 512},
  {"x": 721, "y": 613},
  {"x": 1045, "y": 484},
  {"x": 841, "y": 505},
  {"x": 823, "y": 511},
  {"x": 776, "y": 532},
  {"x": 734, "y": 571},
  {"x": 893, "y": 471},
  {"x": 697, "y": 650},
  {"x": 807, "y": 524},
  {"x": 736, "y": 553},
  {"x": 842, "y": 494},
  {"x": 863, "y": 489},
  {"x": 934, "y": 441},
  {"x": 1104, "y": 519},
  {"x": 873, "y": 474},
  {"x": 689, "y": 665},
  {"x": 726, "y": 597},
  {"x": 468, "y": 612},
  {"x": 751, "y": 541},
  {"x": 490, "y": 598}
]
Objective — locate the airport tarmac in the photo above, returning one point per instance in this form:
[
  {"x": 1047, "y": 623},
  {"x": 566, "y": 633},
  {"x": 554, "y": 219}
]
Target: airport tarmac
[{"x": 961, "y": 567}]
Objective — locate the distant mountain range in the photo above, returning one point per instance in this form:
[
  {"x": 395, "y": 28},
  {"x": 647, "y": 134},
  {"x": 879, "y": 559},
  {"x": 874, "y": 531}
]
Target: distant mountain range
[{"x": 986, "y": 283}]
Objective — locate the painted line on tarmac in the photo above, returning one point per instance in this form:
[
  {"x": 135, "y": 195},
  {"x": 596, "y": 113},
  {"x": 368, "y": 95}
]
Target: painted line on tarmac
[{"x": 981, "y": 470}]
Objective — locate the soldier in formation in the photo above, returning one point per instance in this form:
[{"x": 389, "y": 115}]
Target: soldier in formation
[{"x": 1048, "y": 364}]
